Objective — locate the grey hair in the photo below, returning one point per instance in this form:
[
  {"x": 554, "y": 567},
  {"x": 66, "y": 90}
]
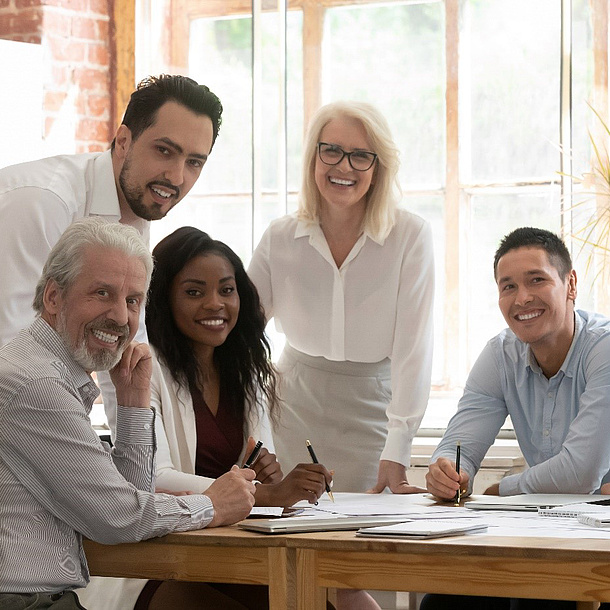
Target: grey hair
[{"x": 65, "y": 260}]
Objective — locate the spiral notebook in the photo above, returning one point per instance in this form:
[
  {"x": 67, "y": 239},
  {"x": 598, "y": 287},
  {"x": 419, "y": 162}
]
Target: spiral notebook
[
  {"x": 575, "y": 510},
  {"x": 529, "y": 502}
]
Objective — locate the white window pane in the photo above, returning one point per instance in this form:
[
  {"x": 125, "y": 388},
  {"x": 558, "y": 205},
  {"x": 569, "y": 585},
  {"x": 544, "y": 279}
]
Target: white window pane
[
  {"x": 492, "y": 217},
  {"x": 514, "y": 106},
  {"x": 393, "y": 56}
]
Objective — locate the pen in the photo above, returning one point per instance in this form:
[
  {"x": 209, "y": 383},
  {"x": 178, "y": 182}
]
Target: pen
[
  {"x": 458, "y": 493},
  {"x": 314, "y": 459},
  {"x": 252, "y": 457}
]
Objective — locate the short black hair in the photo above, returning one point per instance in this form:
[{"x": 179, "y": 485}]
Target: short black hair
[
  {"x": 154, "y": 91},
  {"x": 530, "y": 237}
]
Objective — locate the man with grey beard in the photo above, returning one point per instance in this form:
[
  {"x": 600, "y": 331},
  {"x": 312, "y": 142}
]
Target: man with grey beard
[{"x": 58, "y": 481}]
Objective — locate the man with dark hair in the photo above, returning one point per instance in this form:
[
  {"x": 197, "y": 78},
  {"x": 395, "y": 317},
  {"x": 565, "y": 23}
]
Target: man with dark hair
[
  {"x": 550, "y": 371},
  {"x": 59, "y": 481},
  {"x": 169, "y": 128}
]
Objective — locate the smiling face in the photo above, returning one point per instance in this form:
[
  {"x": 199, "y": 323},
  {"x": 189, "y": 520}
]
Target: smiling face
[
  {"x": 537, "y": 304},
  {"x": 97, "y": 316},
  {"x": 340, "y": 186},
  {"x": 205, "y": 302},
  {"x": 159, "y": 168}
]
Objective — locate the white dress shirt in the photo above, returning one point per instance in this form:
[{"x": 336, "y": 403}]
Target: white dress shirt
[
  {"x": 377, "y": 305},
  {"x": 39, "y": 200}
]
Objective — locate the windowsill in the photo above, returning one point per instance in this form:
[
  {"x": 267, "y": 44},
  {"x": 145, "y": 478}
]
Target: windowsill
[{"x": 504, "y": 453}]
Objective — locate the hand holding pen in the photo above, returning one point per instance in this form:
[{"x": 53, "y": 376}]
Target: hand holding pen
[
  {"x": 445, "y": 478},
  {"x": 263, "y": 462},
  {"x": 314, "y": 459},
  {"x": 458, "y": 493}
]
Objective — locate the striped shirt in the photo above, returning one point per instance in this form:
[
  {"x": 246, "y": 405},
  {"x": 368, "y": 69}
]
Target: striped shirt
[{"x": 58, "y": 482}]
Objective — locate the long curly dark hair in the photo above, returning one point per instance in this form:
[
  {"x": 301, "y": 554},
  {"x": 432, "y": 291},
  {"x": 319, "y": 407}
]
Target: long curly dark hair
[{"x": 243, "y": 361}]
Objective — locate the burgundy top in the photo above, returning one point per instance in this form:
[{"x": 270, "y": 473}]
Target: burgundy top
[{"x": 220, "y": 439}]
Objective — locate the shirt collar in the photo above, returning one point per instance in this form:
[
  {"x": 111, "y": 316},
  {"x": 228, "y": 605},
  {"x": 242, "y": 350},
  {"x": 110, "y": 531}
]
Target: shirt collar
[
  {"x": 104, "y": 197},
  {"x": 45, "y": 335},
  {"x": 317, "y": 240},
  {"x": 312, "y": 228},
  {"x": 568, "y": 364}
]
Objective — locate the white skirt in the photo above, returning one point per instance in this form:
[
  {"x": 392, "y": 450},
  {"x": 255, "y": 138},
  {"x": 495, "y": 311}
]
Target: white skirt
[{"x": 340, "y": 407}]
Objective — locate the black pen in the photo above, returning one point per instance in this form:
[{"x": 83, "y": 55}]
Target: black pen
[
  {"x": 314, "y": 459},
  {"x": 252, "y": 457},
  {"x": 458, "y": 493}
]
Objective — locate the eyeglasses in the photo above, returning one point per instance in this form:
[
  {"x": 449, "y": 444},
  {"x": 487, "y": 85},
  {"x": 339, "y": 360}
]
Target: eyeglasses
[{"x": 360, "y": 160}]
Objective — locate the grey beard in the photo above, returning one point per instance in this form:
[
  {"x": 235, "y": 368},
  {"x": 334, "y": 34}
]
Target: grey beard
[{"x": 101, "y": 360}]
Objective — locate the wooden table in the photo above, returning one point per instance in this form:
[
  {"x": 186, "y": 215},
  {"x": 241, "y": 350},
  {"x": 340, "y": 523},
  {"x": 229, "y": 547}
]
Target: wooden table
[
  {"x": 298, "y": 568},
  {"x": 224, "y": 554},
  {"x": 548, "y": 568}
]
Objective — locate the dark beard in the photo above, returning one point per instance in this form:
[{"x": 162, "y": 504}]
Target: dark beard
[{"x": 134, "y": 196}]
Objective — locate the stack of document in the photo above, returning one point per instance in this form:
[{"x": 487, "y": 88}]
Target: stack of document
[{"x": 421, "y": 530}]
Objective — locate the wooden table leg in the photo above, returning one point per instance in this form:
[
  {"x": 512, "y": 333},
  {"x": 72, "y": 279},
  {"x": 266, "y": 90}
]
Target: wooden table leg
[
  {"x": 309, "y": 595},
  {"x": 282, "y": 579}
]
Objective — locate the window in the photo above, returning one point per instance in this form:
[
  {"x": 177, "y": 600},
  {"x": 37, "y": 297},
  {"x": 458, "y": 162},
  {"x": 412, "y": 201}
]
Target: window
[{"x": 489, "y": 119}]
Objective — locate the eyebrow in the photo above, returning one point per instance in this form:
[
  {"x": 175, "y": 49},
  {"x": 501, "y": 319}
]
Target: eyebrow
[
  {"x": 204, "y": 283},
  {"x": 179, "y": 148},
  {"x": 507, "y": 278},
  {"x": 112, "y": 288}
]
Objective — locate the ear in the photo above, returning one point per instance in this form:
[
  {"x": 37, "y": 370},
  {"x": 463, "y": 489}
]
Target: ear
[
  {"x": 52, "y": 303},
  {"x": 571, "y": 281},
  {"x": 51, "y": 298},
  {"x": 122, "y": 142}
]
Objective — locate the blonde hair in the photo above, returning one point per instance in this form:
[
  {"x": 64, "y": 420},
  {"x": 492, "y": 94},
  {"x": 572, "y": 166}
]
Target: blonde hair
[{"x": 384, "y": 194}]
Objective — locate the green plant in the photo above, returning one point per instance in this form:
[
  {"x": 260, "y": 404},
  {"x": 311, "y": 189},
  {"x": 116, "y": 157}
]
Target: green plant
[{"x": 592, "y": 211}]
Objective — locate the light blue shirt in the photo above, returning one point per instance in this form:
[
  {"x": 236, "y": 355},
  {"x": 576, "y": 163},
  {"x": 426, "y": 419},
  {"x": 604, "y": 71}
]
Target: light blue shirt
[{"x": 562, "y": 424}]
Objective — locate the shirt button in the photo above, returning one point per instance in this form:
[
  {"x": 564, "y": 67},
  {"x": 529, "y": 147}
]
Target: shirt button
[
  {"x": 550, "y": 394},
  {"x": 547, "y": 432},
  {"x": 146, "y": 426}
]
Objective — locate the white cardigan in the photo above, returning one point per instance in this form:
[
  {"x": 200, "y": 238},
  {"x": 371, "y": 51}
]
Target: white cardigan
[
  {"x": 176, "y": 447},
  {"x": 177, "y": 436}
]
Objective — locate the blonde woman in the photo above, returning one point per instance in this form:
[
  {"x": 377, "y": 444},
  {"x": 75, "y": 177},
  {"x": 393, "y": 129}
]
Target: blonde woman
[{"x": 349, "y": 280}]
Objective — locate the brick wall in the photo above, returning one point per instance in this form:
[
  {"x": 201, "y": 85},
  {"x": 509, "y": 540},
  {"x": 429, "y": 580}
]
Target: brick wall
[{"x": 76, "y": 43}]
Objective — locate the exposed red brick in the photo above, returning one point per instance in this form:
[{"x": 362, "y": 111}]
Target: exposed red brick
[
  {"x": 88, "y": 147},
  {"x": 4, "y": 3},
  {"x": 91, "y": 80},
  {"x": 98, "y": 54},
  {"x": 64, "y": 49},
  {"x": 53, "y": 100},
  {"x": 21, "y": 4},
  {"x": 31, "y": 39},
  {"x": 57, "y": 23},
  {"x": 90, "y": 29},
  {"x": 61, "y": 76},
  {"x": 100, "y": 7},
  {"x": 28, "y": 22},
  {"x": 48, "y": 125},
  {"x": 92, "y": 131},
  {"x": 80, "y": 6},
  {"x": 98, "y": 106}
]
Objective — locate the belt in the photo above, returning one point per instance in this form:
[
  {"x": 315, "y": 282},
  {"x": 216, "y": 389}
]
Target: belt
[{"x": 56, "y": 596}]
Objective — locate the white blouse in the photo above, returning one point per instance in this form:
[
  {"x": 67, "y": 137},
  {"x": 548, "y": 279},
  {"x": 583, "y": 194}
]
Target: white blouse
[{"x": 379, "y": 304}]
